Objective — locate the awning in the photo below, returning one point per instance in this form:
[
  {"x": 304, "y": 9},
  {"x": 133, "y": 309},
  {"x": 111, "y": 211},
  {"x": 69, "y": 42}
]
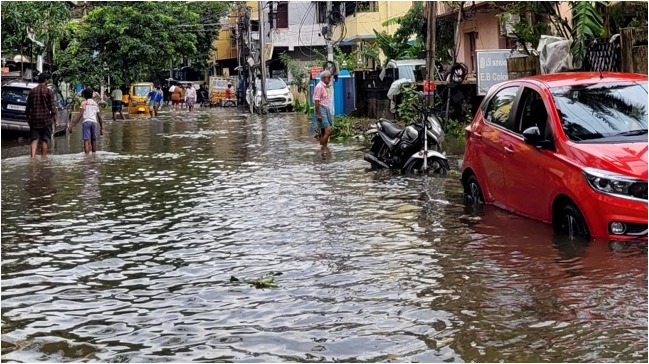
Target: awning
[{"x": 353, "y": 40}]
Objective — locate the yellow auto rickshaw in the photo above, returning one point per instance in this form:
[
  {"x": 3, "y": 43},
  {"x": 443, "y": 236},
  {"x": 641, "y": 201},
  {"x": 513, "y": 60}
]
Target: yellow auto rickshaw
[{"x": 137, "y": 97}]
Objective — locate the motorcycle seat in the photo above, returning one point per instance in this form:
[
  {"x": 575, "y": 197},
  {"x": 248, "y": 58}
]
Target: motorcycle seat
[{"x": 391, "y": 130}]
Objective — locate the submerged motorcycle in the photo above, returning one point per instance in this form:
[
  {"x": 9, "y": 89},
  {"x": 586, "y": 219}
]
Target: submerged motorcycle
[{"x": 409, "y": 149}]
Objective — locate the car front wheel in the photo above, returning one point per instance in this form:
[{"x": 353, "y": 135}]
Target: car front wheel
[{"x": 571, "y": 223}]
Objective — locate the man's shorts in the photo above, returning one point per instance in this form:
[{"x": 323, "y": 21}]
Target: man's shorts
[
  {"x": 117, "y": 106},
  {"x": 90, "y": 130},
  {"x": 327, "y": 119},
  {"x": 44, "y": 134},
  {"x": 154, "y": 105}
]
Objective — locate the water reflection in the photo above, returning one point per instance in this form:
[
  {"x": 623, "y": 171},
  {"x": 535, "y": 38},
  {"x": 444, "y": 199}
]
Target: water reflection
[{"x": 127, "y": 255}]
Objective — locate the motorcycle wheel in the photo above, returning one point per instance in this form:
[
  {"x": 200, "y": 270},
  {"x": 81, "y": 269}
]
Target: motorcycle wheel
[{"x": 435, "y": 165}]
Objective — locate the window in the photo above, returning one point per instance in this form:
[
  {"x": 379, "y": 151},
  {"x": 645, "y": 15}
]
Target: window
[
  {"x": 602, "y": 110},
  {"x": 14, "y": 94},
  {"x": 282, "y": 15},
  {"x": 367, "y": 6},
  {"x": 532, "y": 112},
  {"x": 500, "y": 106},
  {"x": 470, "y": 39}
]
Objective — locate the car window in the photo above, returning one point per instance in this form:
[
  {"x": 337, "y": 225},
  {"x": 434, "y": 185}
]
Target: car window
[
  {"x": 602, "y": 110},
  {"x": 532, "y": 111},
  {"x": 275, "y": 84},
  {"x": 15, "y": 94},
  {"x": 500, "y": 106}
]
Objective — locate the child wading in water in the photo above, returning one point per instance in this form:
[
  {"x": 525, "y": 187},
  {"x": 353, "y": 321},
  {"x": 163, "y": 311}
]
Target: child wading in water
[{"x": 91, "y": 121}]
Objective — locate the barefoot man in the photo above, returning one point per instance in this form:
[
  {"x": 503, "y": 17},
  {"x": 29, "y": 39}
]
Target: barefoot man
[{"x": 323, "y": 107}]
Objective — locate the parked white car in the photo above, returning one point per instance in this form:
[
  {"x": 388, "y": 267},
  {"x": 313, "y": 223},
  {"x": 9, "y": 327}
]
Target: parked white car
[{"x": 278, "y": 95}]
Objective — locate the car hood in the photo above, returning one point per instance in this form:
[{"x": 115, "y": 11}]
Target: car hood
[
  {"x": 279, "y": 92},
  {"x": 625, "y": 158}
]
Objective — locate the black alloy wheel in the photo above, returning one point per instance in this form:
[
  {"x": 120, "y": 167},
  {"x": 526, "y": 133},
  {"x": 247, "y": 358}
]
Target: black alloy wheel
[
  {"x": 572, "y": 224},
  {"x": 473, "y": 192}
]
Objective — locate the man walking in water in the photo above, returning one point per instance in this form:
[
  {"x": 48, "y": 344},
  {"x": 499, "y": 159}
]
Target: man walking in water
[
  {"x": 323, "y": 107},
  {"x": 116, "y": 95},
  {"x": 41, "y": 109}
]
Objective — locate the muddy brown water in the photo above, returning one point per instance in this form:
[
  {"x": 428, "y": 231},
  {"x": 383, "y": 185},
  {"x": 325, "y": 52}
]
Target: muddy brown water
[{"x": 127, "y": 255}]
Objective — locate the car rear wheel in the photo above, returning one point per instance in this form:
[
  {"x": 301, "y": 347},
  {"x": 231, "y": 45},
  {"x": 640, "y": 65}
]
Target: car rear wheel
[
  {"x": 473, "y": 192},
  {"x": 571, "y": 223}
]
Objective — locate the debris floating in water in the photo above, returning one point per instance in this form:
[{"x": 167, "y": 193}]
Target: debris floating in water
[{"x": 267, "y": 281}]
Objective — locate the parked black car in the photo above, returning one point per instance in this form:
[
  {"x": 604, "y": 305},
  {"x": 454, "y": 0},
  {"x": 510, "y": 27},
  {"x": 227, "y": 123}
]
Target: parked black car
[{"x": 14, "y": 104}]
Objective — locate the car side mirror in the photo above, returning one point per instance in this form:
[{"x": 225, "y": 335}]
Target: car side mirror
[{"x": 532, "y": 136}]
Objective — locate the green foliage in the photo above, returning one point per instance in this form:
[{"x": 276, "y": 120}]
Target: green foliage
[
  {"x": 267, "y": 281},
  {"x": 535, "y": 20},
  {"x": 455, "y": 128},
  {"x": 618, "y": 19},
  {"x": 136, "y": 40},
  {"x": 410, "y": 98},
  {"x": 394, "y": 49},
  {"x": 46, "y": 19},
  {"x": 298, "y": 70},
  {"x": 587, "y": 24},
  {"x": 209, "y": 12},
  {"x": 342, "y": 128},
  {"x": 350, "y": 60},
  {"x": 410, "y": 23},
  {"x": 302, "y": 107},
  {"x": 445, "y": 39}
]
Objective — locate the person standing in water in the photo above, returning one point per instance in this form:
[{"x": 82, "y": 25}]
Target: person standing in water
[
  {"x": 116, "y": 95},
  {"x": 41, "y": 111},
  {"x": 322, "y": 102},
  {"x": 154, "y": 99},
  {"x": 91, "y": 121},
  {"x": 190, "y": 97}
]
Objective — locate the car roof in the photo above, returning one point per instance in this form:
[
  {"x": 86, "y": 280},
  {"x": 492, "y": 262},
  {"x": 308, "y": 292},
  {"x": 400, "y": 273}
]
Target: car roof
[
  {"x": 21, "y": 84},
  {"x": 580, "y": 78}
]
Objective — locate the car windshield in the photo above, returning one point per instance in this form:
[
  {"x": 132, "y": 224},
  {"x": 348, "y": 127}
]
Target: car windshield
[
  {"x": 14, "y": 94},
  {"x": 602, "y": 110},
  {"x": 275, "y": 84},
  {"x": 141, "y": 90}
]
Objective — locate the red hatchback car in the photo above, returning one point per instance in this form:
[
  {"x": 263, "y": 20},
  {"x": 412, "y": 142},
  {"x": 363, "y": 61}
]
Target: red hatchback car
[{"x": 569, "y": 148}]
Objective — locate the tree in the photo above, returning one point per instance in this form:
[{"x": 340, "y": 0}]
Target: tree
[
  {"x": 209, "y": 15},
  {"x": 47, "y": 20},
  {"x": 587, "y": 24},
  {"x": 394, "y": 49},
  {"x": 136, "y": 40}
]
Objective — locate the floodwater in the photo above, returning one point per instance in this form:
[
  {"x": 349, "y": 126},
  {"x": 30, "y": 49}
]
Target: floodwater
[{"x": 127, "y": 255}]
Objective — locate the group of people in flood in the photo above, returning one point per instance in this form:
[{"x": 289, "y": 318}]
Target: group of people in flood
[{"x": 42, "y": 113}]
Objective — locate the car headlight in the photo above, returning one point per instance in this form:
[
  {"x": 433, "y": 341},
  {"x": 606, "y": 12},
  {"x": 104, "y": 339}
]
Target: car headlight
[{"x": 616, "y": 184}]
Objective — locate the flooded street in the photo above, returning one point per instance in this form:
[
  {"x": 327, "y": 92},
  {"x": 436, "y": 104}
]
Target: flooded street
[{"x": 127, "y": 255}]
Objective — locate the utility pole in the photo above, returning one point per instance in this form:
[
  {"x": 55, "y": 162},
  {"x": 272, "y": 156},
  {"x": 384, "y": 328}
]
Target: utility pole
[
  {"x": 262, "y": 54},
  {"x": 330, "y": 48},
  {"x": 431, "y": 15},
  {"x": 330, "y": 56}
]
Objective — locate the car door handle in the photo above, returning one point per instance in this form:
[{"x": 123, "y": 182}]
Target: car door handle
[
  {"x": 477, "y": 135},
  {"x": 509, "y": 150}
]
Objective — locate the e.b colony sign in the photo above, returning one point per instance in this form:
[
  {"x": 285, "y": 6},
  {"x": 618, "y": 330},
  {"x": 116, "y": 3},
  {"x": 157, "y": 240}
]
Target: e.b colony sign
[{"x": 492, "y": 68}]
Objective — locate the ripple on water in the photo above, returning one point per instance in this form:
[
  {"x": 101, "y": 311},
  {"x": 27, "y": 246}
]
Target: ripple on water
[{"x": 127, "y": 255}]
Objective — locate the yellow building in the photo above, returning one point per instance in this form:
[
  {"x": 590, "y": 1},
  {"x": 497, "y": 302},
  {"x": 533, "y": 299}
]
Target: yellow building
[{"x": 367, "y": 16}]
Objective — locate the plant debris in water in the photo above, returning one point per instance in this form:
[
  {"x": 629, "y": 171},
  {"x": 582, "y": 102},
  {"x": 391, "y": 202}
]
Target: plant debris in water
[{"x": 267, "y": 281}]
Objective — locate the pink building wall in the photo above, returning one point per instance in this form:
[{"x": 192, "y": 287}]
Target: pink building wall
[{"x": 486, "y": 29}]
